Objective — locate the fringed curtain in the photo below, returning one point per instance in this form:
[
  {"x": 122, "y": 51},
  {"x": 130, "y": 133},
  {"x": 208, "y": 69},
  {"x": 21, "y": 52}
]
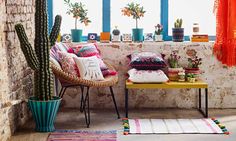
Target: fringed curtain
[{"x": 225, "y": 44}]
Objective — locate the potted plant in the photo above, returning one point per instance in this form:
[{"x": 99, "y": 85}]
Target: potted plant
[
  {"x": 191, "y": 77},
  {"x": 136, "y": 11},
  {"x": 116, "y": 34},
  {"x": 43, "y": 104},
  {"x": 178, "y": 31},
  {"x": 193, "y": 66},
  {"x": 158, "y": 33},
  {"x": 79, "y": 13},
  {"x": 174, "y": 67}
]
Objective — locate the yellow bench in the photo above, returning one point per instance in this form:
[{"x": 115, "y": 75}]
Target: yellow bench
[{"x": 170, "y": 85}]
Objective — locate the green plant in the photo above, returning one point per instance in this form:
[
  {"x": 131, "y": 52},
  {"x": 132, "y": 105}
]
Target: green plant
[
  {"x": 194, "y": 62},
  {"x": 78, "y": 11},
  {"x": 191, "y": 75},
  {"x": 178, "y": 23},
  {"x": 158, "y": 29},
  {"x": 173, "y": 60},
  {"x": 38, "y": 58},
  {"x": 134, "y": 10}
]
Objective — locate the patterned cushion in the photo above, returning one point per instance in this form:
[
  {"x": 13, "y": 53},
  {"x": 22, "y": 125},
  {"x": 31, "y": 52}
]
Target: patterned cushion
[
  {"x": 55, "y": 62},
  {"x": 88, "y": 50},
  {"x": 68, "y": 64},
  {"x": 146, "y": 61},
  {"x": 147, "y": 76},
  {"x": 89, "y": 68}
]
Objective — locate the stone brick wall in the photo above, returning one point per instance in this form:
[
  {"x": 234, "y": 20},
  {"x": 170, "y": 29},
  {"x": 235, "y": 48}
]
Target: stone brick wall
[
  {"x": 222, "y": 89},
  {"x": 15, "y": 76}
]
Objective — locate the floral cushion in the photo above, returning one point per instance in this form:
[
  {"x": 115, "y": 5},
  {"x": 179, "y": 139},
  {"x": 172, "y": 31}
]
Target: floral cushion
[
  {"x": 147, "y": 76},
  {"x": 146, "y": 61},
  {"x": 89, "y": 68},
  {"x": 68, "y": 64}
]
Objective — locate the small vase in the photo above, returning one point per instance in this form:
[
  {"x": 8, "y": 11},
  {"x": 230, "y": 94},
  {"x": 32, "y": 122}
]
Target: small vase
[
  {"x": 76, "y": 35},
  {"x": 178, "y": 34},
  {"x": 158, "y": 38},
  {"x": 137, "y": 34},
  {"x": 173, "y": 73}
]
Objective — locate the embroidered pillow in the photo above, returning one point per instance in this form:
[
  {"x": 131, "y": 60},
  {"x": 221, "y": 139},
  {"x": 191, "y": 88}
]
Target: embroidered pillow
[
  {"x": 147, "y": 61},
  {"x": 147, "y": 76},
  {"x": 89, "y": 68},
  {"x": 55, "y": 62},
  {"x": 68, "y": 64},
  {"x": 88, "y": 50}
]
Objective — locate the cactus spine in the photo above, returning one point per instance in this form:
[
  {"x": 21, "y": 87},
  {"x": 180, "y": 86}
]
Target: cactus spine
[{"x": 38, "y": 58}]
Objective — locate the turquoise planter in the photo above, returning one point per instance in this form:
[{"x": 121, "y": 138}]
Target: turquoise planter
[
  {"x": 76, "y": 35},
  {"x": 44, "y": 113},
  {"x": 137, "y": 34}
]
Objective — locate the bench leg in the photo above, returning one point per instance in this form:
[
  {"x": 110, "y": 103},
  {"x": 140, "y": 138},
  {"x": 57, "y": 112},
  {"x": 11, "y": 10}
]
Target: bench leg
[
  {"x": 126, "y": 102},
  {"x": 204, "y": 113}
]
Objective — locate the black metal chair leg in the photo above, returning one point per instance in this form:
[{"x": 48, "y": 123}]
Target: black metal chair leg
[
  {"x": 114, "y": 101},
  {"x": 82, "y": 98},
  {"x": 86, "y": 113},
  {"x": 62, "y": 92}
]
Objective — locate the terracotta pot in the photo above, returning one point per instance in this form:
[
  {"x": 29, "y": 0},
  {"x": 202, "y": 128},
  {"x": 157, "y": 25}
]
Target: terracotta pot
[{"x": 173, "y": 73}]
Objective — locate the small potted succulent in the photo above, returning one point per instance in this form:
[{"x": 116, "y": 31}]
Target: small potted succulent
[
  {"x": 178, "y": 31},
  {"x": 79, "y": 12},
  {"x": 193, "y": 66},
  {"x": 191, "y": 77},
  {"x": 116, "y": 34},
  {"x": 136, "y": 11},
  {"x": 174, "y": 67},
  {"x": 158, "y": 33}
]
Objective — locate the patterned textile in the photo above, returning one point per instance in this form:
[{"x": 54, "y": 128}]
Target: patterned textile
[
  {"x": 89, "y": 68},
  {"x": 173, "y": 126},
  {"x": 146, "y": 61},
  {"x": 147, "y": 76},
  {"x": 88, "y": 50},
  {"x": 68, "y": 64},
  {"x": 76, "y": 135}
]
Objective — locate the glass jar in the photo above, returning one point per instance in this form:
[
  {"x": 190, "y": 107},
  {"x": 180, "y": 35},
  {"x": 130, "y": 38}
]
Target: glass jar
[{"x": 195, "y": 28}]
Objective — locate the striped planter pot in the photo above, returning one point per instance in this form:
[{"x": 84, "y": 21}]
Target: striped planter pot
[
  {"x": 44, "y": 113},
  {"x": 178, "y": 34}
]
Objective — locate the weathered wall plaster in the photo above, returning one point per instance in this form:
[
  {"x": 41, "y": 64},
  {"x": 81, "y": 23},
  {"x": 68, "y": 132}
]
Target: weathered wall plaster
[
  {"x": 221, "y": 79},
  {"x": 15, "y": 75}
]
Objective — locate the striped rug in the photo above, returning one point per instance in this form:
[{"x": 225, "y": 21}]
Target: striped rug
[
  {"x": 76, "y": 135},
  {"x": 173, "y": 126}
]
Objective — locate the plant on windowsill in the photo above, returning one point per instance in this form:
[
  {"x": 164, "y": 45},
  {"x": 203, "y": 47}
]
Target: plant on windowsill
[
  {"x": 43, "y": 104},
  {"x": 174, "y": 67},
  {"x": 136, "y": 11},
  {"x": 178, "y": 31},
  {"x": 79, "y": 12},
  {"x": 158, "y": 33},
  {"x": 193, "y": 66},
  {"x": 116, "y": 34}
]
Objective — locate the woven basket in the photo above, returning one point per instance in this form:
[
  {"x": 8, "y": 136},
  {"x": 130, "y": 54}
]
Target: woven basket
[{"x": 75, "y": 80}]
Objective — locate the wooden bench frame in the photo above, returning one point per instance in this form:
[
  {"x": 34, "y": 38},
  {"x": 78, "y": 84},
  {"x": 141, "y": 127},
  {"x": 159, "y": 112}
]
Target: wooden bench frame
[{"x": 170, "y": 85}]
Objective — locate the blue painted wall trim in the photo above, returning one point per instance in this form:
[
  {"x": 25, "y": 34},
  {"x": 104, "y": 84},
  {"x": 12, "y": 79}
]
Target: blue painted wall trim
[
  {"x": 50, "y": 14},
  {"x": 106, "y": 15},
  {"x": 164, "y": 18}
]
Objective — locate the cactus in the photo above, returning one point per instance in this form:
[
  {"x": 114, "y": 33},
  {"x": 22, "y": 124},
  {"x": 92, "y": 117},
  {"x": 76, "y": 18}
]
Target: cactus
[
  {"x": 38, "y": 58},
  {"x": 178, "y": 23}
]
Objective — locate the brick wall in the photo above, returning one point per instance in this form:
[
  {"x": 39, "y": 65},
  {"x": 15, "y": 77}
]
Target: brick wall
[{"x": 15, "y": 75}]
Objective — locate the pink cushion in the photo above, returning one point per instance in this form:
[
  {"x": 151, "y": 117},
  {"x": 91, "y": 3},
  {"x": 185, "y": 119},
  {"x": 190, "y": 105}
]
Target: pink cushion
[{"x": 68, "y": 64}]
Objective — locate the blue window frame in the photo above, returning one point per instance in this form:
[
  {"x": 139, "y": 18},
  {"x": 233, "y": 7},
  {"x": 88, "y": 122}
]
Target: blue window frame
[{"x": 106, "y": 18}]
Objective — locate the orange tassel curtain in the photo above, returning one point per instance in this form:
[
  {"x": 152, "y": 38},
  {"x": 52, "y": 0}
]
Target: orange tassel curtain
[{"x": 225, "y": 44}]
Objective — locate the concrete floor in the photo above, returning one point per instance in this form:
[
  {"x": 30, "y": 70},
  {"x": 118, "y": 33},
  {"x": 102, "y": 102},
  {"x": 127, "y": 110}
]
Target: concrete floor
[{"x": 106, "y": 120}]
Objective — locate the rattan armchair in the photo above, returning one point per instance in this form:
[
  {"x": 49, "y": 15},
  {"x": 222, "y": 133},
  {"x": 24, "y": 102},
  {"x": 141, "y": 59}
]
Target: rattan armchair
[{"x": 68, "y": 80}]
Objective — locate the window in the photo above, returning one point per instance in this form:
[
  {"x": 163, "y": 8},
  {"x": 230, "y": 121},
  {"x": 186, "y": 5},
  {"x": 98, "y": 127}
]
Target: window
[
  {"x": 193, "y": 11},
  {"x": 125, "y": 24},
  {"x": 94, "y": 13}
]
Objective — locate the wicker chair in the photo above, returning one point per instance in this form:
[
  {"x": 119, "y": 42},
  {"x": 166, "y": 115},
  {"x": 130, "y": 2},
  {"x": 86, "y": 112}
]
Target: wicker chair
[{"x": 68, "y": 80}]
